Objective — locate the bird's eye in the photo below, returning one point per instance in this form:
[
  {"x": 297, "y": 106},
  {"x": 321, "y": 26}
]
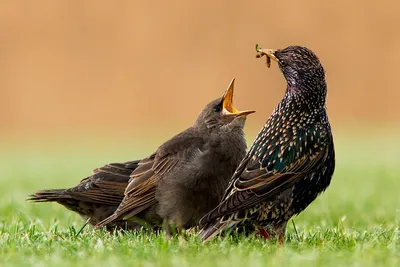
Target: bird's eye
[
  {"x": 283, "y": 63},
  {"x": 217, "y": 108}
]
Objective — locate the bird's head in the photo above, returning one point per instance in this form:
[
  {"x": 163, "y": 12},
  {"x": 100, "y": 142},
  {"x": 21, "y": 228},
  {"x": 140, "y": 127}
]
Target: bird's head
[
  {"x": 300, "y": 66},
  {"x": 221, "y": 112}
]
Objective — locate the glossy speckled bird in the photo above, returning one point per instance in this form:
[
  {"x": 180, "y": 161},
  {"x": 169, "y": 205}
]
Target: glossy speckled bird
[
  {"x": 292, "y": 159},
  {"x": 187, "y": 175},
  {"x": 97, "y": 196}
]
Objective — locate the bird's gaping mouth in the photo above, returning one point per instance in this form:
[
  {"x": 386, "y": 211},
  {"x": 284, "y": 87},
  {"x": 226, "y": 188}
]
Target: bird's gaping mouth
[
  {"x": 268, "y": 53},
  {"x": 227, "y": 103}
]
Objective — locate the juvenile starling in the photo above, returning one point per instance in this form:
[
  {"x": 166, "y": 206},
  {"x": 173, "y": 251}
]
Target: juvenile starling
[
  {"x": 187, "y": 176},
  {"x": 292, "y": 159},
  {"x": 97, "y": 196}
]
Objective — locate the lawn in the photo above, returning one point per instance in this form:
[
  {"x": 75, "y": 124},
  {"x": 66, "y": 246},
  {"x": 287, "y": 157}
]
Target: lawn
[{"x": 355, "y": 223}]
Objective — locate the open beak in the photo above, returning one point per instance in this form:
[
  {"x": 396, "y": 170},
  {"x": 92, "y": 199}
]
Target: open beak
[
  {"x": 227, "y": 104},
  {"x": 268, "y": 53}
]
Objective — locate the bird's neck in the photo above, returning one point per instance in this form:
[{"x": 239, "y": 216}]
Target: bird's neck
[{"x": 306, "y": 95}]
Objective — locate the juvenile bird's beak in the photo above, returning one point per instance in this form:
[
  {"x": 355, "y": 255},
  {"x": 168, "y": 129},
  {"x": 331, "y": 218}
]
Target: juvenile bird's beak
[
  {"x": 227, "y": 104},
  {"x": 268, "y": 53}
]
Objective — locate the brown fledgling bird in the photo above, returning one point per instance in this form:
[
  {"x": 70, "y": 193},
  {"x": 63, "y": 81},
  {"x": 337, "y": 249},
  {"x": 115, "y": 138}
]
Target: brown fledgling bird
[
  {"x": 187, "y": 176},
  {"x": 292, "y": 159},
  {"x": 97, "y": 196}
]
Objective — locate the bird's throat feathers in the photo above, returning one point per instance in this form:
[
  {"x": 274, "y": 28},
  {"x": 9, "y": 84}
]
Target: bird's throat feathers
[{"x": 312, "y": 95}]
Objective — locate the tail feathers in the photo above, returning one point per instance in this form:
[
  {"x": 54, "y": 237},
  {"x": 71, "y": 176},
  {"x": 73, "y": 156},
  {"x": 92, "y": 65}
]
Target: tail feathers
[
  {"x": 212, "y": 229},
  {"x": 48, "y": 195},
  {"x": 106, "y": 221}
]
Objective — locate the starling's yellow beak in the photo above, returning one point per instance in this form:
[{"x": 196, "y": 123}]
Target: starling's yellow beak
[
  {"x": 269, "y": 53},
  {"x": 227, "y": 103}
]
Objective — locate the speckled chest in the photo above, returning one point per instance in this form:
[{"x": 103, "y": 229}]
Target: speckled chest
[{"x": 291, "y": 134}]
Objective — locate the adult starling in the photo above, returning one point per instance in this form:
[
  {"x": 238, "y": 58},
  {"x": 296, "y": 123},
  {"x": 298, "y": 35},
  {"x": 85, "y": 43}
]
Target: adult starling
[
  {"x": 187, "y": 176},
  {"x": 292, "y": 159},
  {"x": 97, "y": 196}
]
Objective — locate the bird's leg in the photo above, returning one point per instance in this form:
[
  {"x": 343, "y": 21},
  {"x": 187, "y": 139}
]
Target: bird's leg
[
  {"x": 171, "y": 229},
  {"x": 281, "y": 240},
  {"x": 280, "y": 232},
  {"x": 264, "y": 233}
]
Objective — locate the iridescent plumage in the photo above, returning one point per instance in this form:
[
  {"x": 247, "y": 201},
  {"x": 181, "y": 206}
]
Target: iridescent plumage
[{"x": 292, "y": 159}]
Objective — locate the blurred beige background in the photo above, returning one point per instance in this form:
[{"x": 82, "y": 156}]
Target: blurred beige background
[{"x": 71, "y": 68}]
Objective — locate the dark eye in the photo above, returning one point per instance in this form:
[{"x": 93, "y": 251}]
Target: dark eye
[
  {"x": 217, "y": 108},
  {"x": 283, "y": 63}
]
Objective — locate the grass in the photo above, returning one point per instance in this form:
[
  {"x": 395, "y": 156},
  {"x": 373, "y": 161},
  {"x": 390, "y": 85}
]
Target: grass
[{"x": 355, "y": 223}]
